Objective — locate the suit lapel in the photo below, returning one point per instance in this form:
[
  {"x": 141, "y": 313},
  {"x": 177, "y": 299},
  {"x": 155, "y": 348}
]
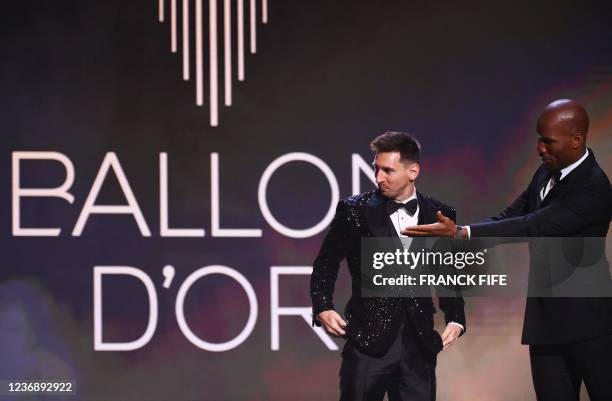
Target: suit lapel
[
  {"x": 376, "y": 215},
  {"x": 554, "y": 192},
  {"x": 426, "y": 215},
  {"x": 540, "y": 181},
  {"x": 378, "y": 220},
  {"x": 567, "y": 181}
]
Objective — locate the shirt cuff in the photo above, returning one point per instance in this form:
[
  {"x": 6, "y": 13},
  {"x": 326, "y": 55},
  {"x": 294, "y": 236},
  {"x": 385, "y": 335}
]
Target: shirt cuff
[
  {"x": 457, "y": 324},
  {"x": 469, "y": 232}
]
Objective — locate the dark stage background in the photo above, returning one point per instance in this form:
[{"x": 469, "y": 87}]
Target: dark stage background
[{"x": 98, "y": 84}]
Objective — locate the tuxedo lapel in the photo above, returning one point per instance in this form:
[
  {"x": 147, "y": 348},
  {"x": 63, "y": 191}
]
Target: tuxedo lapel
[
  {"x": 426, "y": 215},
  {"x": 554, "y": 193},
  {"x": 566, "y": 183},
  {"x": 377, "y": 217},
  {"x": 541, "y": 180}
]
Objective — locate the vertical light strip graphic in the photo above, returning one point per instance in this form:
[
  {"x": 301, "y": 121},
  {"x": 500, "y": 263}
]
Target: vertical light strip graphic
[
  {"x": 199, "y": 66},
  {"x": 213, "y": 61},
  {"x": 188, "y": 9},
  {"x": 186, "y": 40},
  {"x": 227, "y": 49},
  {"x": 253, "y": 19},
  {"x": 240, "y": 16},
  {"x": 173, "y": 45}
]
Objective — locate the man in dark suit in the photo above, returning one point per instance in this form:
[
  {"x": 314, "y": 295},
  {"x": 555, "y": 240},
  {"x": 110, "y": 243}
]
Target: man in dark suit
[
  {"x": 391, "y": 343},
  {"x": 569, "y": 196}
]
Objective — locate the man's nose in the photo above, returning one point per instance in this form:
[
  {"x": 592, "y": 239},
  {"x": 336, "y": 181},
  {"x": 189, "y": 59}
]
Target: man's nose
[{"x": 541, "y": 148}]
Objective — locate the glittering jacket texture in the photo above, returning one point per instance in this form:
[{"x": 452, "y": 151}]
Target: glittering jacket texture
[{"x": 373, "y": 323}]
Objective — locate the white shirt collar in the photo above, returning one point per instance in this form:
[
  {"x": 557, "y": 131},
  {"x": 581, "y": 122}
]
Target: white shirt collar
[{"x": 565, "y": 171}]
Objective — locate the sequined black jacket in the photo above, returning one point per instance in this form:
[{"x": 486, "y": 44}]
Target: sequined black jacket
[{"x": 373, "y": 323}]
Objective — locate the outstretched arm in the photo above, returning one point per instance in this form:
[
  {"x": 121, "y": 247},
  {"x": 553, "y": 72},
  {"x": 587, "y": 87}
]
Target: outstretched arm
[{"x": 446, "y": 227}]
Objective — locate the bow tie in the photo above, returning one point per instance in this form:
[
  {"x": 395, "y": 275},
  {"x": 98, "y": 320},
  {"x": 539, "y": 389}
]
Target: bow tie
[{"x": 410, "y": 206}]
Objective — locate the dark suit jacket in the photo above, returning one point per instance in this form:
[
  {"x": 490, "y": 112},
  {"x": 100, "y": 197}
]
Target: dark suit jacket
[
  {"x": 373, "y": 323},
  {"x": 579, "y": 205}
]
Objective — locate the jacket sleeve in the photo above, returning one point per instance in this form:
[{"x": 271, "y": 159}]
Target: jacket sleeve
[
  {"x": 577, "y": 209},
  {"x": 327, "y": 263}
]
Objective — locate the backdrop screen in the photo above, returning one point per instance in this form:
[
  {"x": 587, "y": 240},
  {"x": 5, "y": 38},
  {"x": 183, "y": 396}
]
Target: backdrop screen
[{"x": 169, "y": 168}]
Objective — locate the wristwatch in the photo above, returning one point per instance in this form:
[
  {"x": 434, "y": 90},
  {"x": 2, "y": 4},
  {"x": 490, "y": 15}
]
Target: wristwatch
[{"x": 459, "y": 232}]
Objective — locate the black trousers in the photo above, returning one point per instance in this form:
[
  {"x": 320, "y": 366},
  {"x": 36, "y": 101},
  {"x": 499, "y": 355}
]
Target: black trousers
[
  {"x": 406, "y": 372},
  {"x": 558, "y": 370}
]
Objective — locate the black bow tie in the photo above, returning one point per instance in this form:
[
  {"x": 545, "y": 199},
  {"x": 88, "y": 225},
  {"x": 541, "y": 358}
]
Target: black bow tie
[{"x": 410, "y": 206}]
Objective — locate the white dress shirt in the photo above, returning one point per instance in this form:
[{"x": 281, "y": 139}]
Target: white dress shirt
[{"x": 401, "y": 219}]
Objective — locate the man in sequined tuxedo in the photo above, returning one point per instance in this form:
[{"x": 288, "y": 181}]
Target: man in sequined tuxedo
[{"x": 391, "y": 343}]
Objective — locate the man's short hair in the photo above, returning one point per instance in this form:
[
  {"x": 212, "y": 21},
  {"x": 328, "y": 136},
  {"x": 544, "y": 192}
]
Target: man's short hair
[{"x": 402, "y": 142}]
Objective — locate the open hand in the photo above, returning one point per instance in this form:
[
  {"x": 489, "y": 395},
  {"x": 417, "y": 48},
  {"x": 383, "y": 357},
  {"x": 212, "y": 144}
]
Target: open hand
[{"x": 443, "y": 228}]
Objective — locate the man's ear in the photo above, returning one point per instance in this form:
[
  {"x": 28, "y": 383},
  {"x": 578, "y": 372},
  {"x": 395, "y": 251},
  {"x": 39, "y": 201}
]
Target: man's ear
[
  {"x": 578, "y": 140},
  {"x": 413, "y": 171}
]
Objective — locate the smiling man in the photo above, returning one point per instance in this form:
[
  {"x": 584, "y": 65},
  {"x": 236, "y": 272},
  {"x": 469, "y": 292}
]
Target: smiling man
[
  {"x": 569, "y": 339},
  {"x": 391, "y": 343}
]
